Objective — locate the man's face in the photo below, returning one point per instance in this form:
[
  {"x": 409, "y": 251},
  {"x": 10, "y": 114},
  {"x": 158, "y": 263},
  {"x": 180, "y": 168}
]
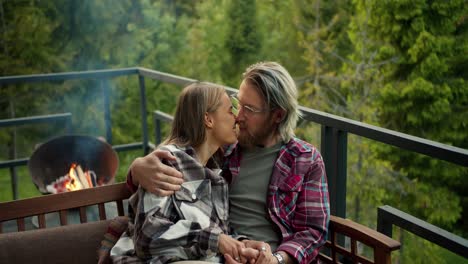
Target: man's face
[{"x": 256, "y": 125}]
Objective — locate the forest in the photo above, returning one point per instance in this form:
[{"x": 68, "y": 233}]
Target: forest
[{"x": 396, "y": 64}]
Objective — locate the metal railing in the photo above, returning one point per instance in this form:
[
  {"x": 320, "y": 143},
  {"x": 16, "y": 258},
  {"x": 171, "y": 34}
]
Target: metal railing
[
  {"x": 334, "y": 129},
  {"x": 388, "y": 216},
  {"x": 13, "y": 122}
]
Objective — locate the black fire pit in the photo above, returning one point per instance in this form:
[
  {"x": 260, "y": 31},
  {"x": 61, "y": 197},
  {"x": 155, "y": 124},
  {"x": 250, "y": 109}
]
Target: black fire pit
[{"x": 53, "y": 159}]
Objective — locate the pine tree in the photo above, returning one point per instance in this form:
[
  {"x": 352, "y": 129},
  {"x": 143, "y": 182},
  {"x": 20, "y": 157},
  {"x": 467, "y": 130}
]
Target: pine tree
[
  {"x": 426, "y": 95},
  {"x": 242, "y": 40}
]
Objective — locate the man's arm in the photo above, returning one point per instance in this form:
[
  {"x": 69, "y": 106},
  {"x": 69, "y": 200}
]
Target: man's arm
[
  {"x": 153, "y": 175},
  {"x": 311, "y": 216}
]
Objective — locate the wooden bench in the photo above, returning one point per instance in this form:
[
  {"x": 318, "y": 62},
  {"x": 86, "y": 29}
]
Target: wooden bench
[{"x": 19, "y": 210}]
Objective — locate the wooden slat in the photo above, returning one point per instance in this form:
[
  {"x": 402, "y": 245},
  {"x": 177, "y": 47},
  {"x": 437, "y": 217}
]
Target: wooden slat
[
  {"x": 325, "y": 258},
  {"x": 83, "y": 216},
  {"x": 20, "y": 223},
  {"x": 353, "y": 249},
  {"x": 63, "y": 217},
  {"x": 364, "y": 260},
  {"x": 333, "y": 241},
  {"x": 120, "y": 208},
  {"x": 102, "y": 211},
  {"x": 41, "y": 220}
]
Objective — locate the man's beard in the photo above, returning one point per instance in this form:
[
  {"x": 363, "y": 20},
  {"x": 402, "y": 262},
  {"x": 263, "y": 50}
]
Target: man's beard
[{"x": 257, "y": 138}]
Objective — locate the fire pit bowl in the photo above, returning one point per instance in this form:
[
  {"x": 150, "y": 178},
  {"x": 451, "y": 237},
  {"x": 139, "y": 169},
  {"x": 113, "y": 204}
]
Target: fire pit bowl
[{"x": 53, "y": 159}]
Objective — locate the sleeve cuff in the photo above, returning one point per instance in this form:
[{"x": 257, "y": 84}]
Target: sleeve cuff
[
  {"x": 132, "y": 187},
  {"x": 209, "y": 241}
]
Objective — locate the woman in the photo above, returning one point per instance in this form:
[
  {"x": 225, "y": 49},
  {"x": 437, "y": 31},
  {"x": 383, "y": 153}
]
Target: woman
[{"x": 192, "y": 223}]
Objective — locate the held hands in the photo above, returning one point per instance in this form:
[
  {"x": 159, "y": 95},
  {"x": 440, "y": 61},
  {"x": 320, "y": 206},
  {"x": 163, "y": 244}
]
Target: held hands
[
  {"x": 236, "y": 251},
  {"x": 154, "y": 176},
  {"x": 263, "y": 253}
]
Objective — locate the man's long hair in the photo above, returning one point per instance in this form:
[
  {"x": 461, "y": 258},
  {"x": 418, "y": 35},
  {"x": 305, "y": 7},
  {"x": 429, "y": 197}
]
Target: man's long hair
[{"x": 279, "y": 90}]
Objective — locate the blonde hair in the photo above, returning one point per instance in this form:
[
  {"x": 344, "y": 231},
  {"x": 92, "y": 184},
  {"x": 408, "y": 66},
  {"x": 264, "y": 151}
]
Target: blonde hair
[
  {"x": 188, "y": 126},
  {"x": 279, "y": 90}
]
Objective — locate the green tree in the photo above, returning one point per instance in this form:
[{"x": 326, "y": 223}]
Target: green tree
[
  {"x": 322, "y": 34},
  {"x": 242, "y": 40},
  {"x": 427, "y": 95},
  {"x": 278, "y": 30}
]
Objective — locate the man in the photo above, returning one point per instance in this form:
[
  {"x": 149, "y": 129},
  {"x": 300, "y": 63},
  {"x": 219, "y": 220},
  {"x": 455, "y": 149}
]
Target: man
[{"x": 290, "y": 225}]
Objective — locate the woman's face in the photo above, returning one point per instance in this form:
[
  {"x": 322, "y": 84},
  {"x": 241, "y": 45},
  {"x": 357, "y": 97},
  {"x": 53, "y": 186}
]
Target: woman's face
[{"x": 224, "y": 123}]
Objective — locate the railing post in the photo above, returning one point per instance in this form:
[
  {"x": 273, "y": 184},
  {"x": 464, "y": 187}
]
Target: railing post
[
  {"x": 107, "y": 112},
  {"x": 383, "y": 225},
  {"x": 160, "y": 117},
  {"x": 144, "y": 122},
  {"x": 157, "y": 128},
  {"x": 334, "y": 152},
  {"x": 14, "y": 182}
]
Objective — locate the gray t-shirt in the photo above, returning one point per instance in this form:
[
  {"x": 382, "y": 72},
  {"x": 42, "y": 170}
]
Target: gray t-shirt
[{"x": 248, "y": 212}]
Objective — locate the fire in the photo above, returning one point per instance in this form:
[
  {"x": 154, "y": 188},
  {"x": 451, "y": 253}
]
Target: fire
[{"x": 76, "y": 179}]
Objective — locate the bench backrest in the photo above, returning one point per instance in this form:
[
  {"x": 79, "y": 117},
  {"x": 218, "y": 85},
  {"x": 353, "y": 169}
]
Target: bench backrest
[{"x": 39, "y": 206}]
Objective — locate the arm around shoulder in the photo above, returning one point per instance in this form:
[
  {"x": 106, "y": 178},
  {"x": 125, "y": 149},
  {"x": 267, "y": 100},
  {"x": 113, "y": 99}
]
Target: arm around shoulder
[{"x": 153, "y": 175}]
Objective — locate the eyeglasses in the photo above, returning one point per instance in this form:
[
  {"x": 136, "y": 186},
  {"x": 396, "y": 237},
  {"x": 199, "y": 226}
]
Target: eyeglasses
[{"x": 247, "y": 110}]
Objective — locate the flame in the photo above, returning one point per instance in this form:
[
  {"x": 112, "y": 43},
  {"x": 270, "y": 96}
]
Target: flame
[
  {"x": 74, "y": 183},
  {"x": 76, "y": 179}
]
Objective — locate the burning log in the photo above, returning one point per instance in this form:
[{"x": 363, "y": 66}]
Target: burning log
[
  {"x": 82, "y": 177},
  {"x": 76, "y": 179},
  {"x": 75, "y": 183},
  {"x": 93, "y": 177}
]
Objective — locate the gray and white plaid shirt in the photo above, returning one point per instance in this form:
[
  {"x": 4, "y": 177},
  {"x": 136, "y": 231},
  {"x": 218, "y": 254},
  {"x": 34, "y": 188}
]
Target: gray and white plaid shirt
[{"x": 183, "y": 226}]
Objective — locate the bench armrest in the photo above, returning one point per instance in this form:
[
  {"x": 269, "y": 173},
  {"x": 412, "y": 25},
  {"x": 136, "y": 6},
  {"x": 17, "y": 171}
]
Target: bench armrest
[{"x": 380, "y": 243}]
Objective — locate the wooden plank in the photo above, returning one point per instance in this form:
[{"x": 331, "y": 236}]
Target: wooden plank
[
  {"x": 120, "y": 208},
  {"x": 102, "y": 211},
  {"x": 83, "y": 216},
  {"x": 41, "y": 220},
  {"x": 20, "y": 223},
  {"x": 63, "y": 217}
]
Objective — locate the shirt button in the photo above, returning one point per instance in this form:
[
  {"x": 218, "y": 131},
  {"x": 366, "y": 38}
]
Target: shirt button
[{"x": 194, "y": 196}]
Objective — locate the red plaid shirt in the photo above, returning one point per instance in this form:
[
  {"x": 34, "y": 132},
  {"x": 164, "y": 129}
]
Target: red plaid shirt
[{"x": 297, "y": 200}]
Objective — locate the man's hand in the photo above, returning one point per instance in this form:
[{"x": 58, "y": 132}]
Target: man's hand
[{"x": 154, "y": 176}]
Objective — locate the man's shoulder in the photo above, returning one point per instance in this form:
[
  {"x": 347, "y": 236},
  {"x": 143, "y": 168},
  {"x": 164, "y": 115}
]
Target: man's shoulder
[
  {"x": 302, "y": 150},
  {"x": 299, "y": 146}
]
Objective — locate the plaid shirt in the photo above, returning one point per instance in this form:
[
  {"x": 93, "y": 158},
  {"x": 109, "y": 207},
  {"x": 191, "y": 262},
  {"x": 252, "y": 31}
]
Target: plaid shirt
[
  {"x": 297, "y": 199},
  {"x": 183, "y": 226}
]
